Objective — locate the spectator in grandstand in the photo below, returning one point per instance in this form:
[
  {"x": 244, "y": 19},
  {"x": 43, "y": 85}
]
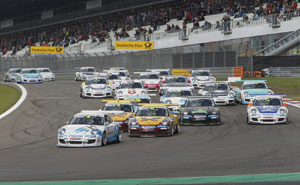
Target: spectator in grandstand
[{"x": 196, "y": 25}]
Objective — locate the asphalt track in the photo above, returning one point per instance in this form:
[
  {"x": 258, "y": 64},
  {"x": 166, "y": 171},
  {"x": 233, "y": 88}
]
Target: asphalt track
[{"x": 28, "y": 149}]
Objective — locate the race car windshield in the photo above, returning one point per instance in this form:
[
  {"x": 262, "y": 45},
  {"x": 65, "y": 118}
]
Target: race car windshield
[
  {"x": 87, "y": 120},
  {"x": 131, "y": 86},
  {"x": 122, "y": 74},
  {"x": 199, "y": 103},
  {"x": 163, "y": 73},
  {"x": 195, "y": 74},
  {"x": 29, "y": 71},
  {"x": 121, "y": 107},
  {"x": 268, "y": 102},
  {"x": 145, "y": 101},
  {"x": 176, "y": 80},
  {"x": 45, "y": 71},
  {"x": 88, "y": 70},
  {"x": 179, "y": 93},
  {"x": 95, "y": 81},
  {"x": 216, "y": 87},
  {"x": 14, "y": 71},
  {"x": 153, "y": 76},
  {"x": 255, "y": 86},
  {"x": 152, "y": 112},
  {"x": 113, "y": 77}
]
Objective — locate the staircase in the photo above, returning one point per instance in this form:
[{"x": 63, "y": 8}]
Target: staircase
[{"x": 282, "y": 45}]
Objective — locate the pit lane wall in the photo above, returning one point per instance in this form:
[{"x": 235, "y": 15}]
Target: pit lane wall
[{"x": 220, "y": 63}]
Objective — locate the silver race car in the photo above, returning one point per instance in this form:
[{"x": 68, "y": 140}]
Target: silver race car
[
  {"x": 11, "y": 75},
  {"x": 96, "y": 88},
  {"x": 46, "y": 74},
  {"x": 86, "y": 73}
]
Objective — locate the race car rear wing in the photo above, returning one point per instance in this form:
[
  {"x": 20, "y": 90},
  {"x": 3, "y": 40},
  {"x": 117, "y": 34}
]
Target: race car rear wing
[
  {"x": 120, "y": 101},
  {"x": 111, "y": 112},
  {"x": 252, "y": 81},
  {"x": 268, "y": 95},
  {"x": 158, "y": 104}
]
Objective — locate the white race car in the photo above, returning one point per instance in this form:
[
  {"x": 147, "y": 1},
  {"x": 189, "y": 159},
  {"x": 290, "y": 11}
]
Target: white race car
[
  {"x": 86, "y": 73},
  {"x": 221, "y": 92},
  {"x": 130, "y": 88},
  {"x": 267, "y": 109},
  {"x": 114, "y": 80},
  {"x": 89, "y": 129},
  {"x": 172, "y": 82},
  {"x": 201, "y": 77},
  {"x": 176, "y": 95},
  {"x": 29, "y": 75},
  {"x": 11, "y": 75},
  {"x": 46, "y": 74},
  {"x": 151, "y": 80},
  {"x": 96, "y": 88}
]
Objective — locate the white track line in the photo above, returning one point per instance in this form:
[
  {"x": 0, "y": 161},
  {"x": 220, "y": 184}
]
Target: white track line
[{"x": 19, "y": 102}]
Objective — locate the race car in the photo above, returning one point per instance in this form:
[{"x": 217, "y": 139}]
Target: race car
[
  {"x": 199, "y": 111},
  {"x": 114, "y": 80},
  {"x": 11, "y": 75},
  {"x": 221, "y": 92},
  {"x": 116, "y": 69},
  {"x": 86, "y": 73},
  {"x": 163, "y": 73},
  {"x": 130, "y": 88},
  {"x": 127, "y": 109},
  {"x": 173, "y": 81},
  {"x": 250, "y": 89},
  {"x": 267, "y": 109},
  {"x": 199, "y": 78},
  {"x": 150, "y": 80},
  {"x": 88, "y": 129},
  {"x": 46, "y": 74},
  {"x": 176, "y": 95},
  {"x": 96, "y": 88},
  {"x": 29, "y": 75},
  {"x": 153, "y": 120}
]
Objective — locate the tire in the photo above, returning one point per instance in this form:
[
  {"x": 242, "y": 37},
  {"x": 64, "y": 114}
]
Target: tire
[
  {"x": 103, "y": 140},
  {"x": 177, "y": 129},
  {"x": 119, "y": 137},
  {"x": 80, "y": 94},
  {"x": 287, "y": 121},
  {"x": 172, "y": 131},
  {"x": 248, "y": 122}
]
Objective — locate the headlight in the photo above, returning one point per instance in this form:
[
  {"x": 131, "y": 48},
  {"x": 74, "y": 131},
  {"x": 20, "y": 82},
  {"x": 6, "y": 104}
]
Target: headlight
[
  {"x": 108, "y": 88},
  {"x": 40, "y": 76},
  {"x": 270, "y": 92},
  {"x": 282, "y": 111},
  {"x": 24, "y": 76},
  {"x": 94, "y": 131},
  {"x": 253, "y": 111},
  {"x": 62, "y": 131},
  {"x": 231, "y": 94},
  {"x": 120, "y": 93},
  {"x": 88, "y": 88},
  {"x": 245, "y": 93},
  {"x": 133, "y": 121},
  {"x": 185, "y": 113},
  {"x": 165, "y": 122},
  {"x": 143, "y": 92}
]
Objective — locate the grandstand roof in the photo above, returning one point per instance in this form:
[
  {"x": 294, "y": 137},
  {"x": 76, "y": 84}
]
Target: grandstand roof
[{"x": 16, "y": 8}]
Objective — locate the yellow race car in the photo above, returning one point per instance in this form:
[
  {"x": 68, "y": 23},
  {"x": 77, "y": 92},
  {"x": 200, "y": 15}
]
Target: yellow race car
[
  {"x": 154, "y": 119},
  {"x": 120, "y": 111}
]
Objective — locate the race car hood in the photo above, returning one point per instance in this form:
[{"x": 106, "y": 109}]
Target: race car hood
[
  {"x": 98, "y": 86},
  {"x": 149, "y": 120},
  {"x": 176, "y": 99},
  {"x": 90, "y": 73},
  {"x": 256, "y": 91},
  {"x": 30, "y": 75},
  {"x": 79, "y": 129},
  {"x": 151, "y": 81},
  {"x": 268, "y": 109},
  {"x": 199, "y": 110}
]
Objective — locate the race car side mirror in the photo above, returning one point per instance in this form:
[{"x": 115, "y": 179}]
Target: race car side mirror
[
  {"x": 250, "y": 104},
  {"x": 285, "y": 104}
]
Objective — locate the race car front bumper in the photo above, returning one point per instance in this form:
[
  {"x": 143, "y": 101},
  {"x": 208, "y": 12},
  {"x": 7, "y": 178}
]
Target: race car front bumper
[
  {"x": 76, "y": 141},
  {"x": 97, "y": 94},
  {"x": 224, "y": 100},
  {"x": 149, "y": 131},
  {"x": 200, "y": 120},
  {"x": 267, "y": 118},
  {"x": 152, "y": 87},
  {"x": 31, "y": 81}
]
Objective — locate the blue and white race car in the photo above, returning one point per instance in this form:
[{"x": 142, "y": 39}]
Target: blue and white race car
[
  {"x": 267, "y": 109},
  {"x": 89, "y": 129},
  {"x": 29, "y": 75},
  {"x": 250, "y": 89}
]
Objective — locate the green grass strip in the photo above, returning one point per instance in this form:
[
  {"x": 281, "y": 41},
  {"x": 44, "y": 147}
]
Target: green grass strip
[
  {"x": 8, "y": 97},
  {"x": 280, "y": 177}
]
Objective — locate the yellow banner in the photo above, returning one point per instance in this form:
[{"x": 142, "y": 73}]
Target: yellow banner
[
  {"x": 185, "y": 72},
  {"x": 134, "y": 45},
  {"x": 46, "y": 50}
]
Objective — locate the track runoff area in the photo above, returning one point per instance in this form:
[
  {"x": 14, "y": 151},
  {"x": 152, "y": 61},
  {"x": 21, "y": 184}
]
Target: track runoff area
[{"x": 197, "y": 155}]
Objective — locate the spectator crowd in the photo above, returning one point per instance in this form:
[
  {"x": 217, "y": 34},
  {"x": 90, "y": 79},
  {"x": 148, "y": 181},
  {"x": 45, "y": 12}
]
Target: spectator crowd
[{"x": 97, "y": 29}]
